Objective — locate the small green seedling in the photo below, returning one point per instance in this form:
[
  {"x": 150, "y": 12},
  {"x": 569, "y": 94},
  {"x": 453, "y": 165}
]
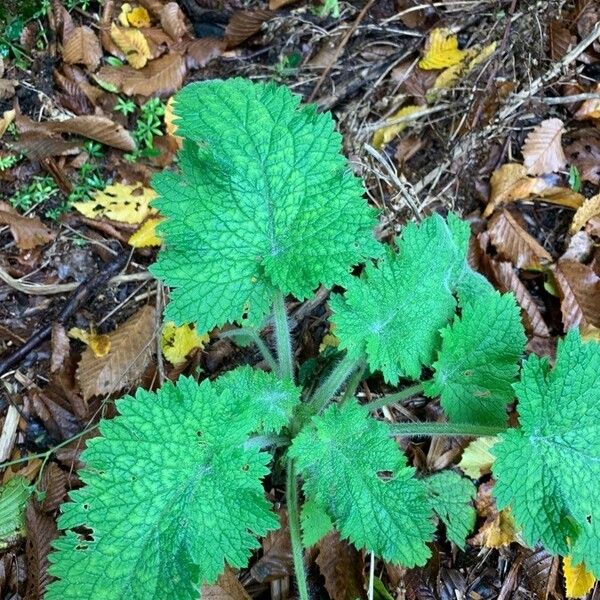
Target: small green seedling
[{"x": 263, "y": 207}]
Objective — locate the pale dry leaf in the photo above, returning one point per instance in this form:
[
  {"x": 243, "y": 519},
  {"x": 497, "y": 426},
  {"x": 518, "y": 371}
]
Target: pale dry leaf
[
  {"x": 244, "y": 24},
  {"x": 7, "y": 88},
  {"x": 161, "y": 77},
  {"x": 579, "y": 289},
  {"x": 563, "y": 196},
  {"x": 227, "y": 587},
  {"x": 542, "y": 150},
  {"x": 341, "y": 565},
  {"x": 275, "y": 4},
  {"x": 131, "y": 349},
  {"x": 60, "y": 347},
  {"x": 101, "y": 129},
  {"x": 508, "y": 280},
  {"x": 513, "y": 243},
  {"x": 590, "y": 109},
  {"x": 589, "y": 209},
  {"x": 477, "y": 460},
  {"x": 172, "y": 20},
  {"x": 82, "y": 47},
  {"x": 387, "y": 133},
  {"x": 584, "y": 153},
  {"x": 7, "y": 118},
  {"x": 27, "y": 232},
  {"x": 133, "y": 44}
]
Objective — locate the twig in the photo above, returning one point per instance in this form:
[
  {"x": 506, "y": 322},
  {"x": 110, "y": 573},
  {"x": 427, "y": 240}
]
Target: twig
[
  {"x": 340, "y": 49},
  {"x": 412, "y": 117},
  {"x": 80, "y": 295},
  {"x": 571, "y": 99}
]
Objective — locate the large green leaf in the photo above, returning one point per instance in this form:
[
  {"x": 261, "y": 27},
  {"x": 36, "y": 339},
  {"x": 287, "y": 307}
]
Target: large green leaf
[
  {"x": 263, "y": 201},
  {"x": 172, "y": 493}
]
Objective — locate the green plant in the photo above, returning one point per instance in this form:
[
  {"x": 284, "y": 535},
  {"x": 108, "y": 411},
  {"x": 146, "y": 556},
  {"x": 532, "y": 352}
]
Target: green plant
[
  {"x": 264, "y": 206},
  {"x": 125, "y": 106},
  {"x": 148, "y": 125},
  {"x": 40, "y": 189}
]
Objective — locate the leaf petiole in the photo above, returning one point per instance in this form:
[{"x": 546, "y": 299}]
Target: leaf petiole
[
  {"x": 429, "y": 429},
  {"x": 397, "y": 397},
  {"x": 247, "y": 332},
  {"x": 283, "y": 339}
]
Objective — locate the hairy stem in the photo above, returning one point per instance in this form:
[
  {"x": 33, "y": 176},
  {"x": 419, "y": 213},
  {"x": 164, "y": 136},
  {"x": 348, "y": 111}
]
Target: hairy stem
[
  {"x": 353, "y": 383},
  {"x": 294, "y": 525},
  {"x": 283, "y": 339},
  {"x": 400, "y": 396},
  {"x": 445, "y": 429},
  {"x": 333, "y": 382},
  {"x": 257, "y": 340}
]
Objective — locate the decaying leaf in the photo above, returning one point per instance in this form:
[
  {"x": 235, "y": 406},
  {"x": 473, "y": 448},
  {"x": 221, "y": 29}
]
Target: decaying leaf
[
  {"x": 471, "y": 58},
  {"x": 169, "y": 119},
  {"x": 513, "y": 243},
  {"x": 98, "y": 343},
  {"x": 441, "y": 50},
  {"x": 131, "y": 349},
  {"x": 276, "y": 561},
  {"x": 54, "y": 487},
  {"x": 126, "y": 203},
  {"x": 584, "y": 153},
  {"x": 578, "y": 580},
  {"x": 589, "y": 209},
  {"x": 27, "y": 232},
  {"x": 7, "y": 118},
  {"x": 41, "y": 532},
  {"x": 244, "y": 24},
  {"x": 81, "y": 46},
  {"x": 476, "y": 458},
  {"x": 100, "y": 129},
  {"x": 161, "y": 77},
  {"x": 172, "y": 20},
  {"x": 138, "y": 17},
  {"x": 590, "y": 109},
  {"x": 227, "y": 587},
  {"x": 133, "y": 44},
  {"x": 542, "y": 151},
  {"x": 178, "y": 341},
  {"x": 342, "y": 568},
  {"x": 579, "y": 289},
  {"x": 499, "y": 528},
  {"x": 146, "y": 235},
  {"x": 388, "y": 132},
  {"x": 60, "y": 347}
]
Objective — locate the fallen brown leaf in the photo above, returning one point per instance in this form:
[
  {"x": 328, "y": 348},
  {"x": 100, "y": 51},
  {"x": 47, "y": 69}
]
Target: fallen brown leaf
[
  {"x": 227, "y": 587},
  {"x": 584, "y": 153},
  {"x": 499, "y": 528},
  {"x": 514, "y": 244},
  {"x": 589, "y": 209},
  {"x": 54, "y": 487},
  {"x": 275, "y": 4},
  {"x": 540, "y": 571},
  {"x": 542, "y": 151},
  {"x": 131, "y": 350},
  {"x": 60, "y": 347},
  {"x": 199, "y": 52},
  {"x": 102, "y": 129},
  {"x": 27, "y": 232},
  {"x": 7, "y": 118},
  {"x": 172, "y": 20},
  {"x": 41, "y": 531},
  {"x": 82, "y": 47},
  {"x": 43, "y": 144},
  {"x": 590, "y": 109},
  {"x": 561, "y": 39},
  {"x": 161, "y": 77},
  {"x": 276, "y": 561},
  {"x": 342, "y": 568},
  {"x": 244, "y": 24},
  {"x": 579, "y": 289}
]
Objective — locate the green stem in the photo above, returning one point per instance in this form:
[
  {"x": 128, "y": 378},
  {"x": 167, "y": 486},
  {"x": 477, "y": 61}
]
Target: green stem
[
  {"x": 333, "y": 382},
  {"x": 400, "y": 396},
  {"x": 445, "y": 429},
  {"x": 283, "y": 339},
  {"x": 294, "y": 525},
  {"x": 353, "y": 383},
  {"x": 255, "y": 337},
  {"x": 266, "y": 441}
]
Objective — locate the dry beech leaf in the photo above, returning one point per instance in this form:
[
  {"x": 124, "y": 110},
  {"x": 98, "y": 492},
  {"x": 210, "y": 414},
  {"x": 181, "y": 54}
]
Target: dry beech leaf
[
  {"x": 244, "y": 24},
  {"x": 82, "y": 47},
  {"x": 513, "y": 243},
  {"x": 578, "y": 580},
  {"x": 542, "y": 150},
  {"x": 27, "y": 232},
  {"x": 102, "y": 129},
  {"x": 579, "y": 289},
  {"x": 589, "y": 210},
  {"x": 54, "y": 486},
  {"x": 172, "y": 20},
  {"x": 590, "y": 109},
  {"x": 43, "y": 144},
  {"x": 342, "y": 568},
  {"x": 584, "y": 153},
  {"x": 507, "y": 280},
  {"x": 131, "y": 349},
  {"x": 561, "y": 40},
  {"x": 539, "y": 569},
  {"x": 227, "y": 587},
  {"x": 41, "y": 532},
  {"x": 133, "y": 44},
  {"x": 161, "y": 77},
  {"x": 199, "y": 52},
  {"x": 276, "y": 561},
  {"x": 275, "y": 4},
  {"x": 60, "y": 347},
  {"x": 441, "y": 50}
]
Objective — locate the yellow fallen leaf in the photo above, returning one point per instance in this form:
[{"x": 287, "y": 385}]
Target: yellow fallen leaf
[
  {"x": 98, "y": 343},
  {"x": 133, "y": 44},
  {"x": 126, "y": 8},
  {"x": 589, "y": 209},
  {"x": 498, "y": 530},
  {"x": 170, "y": 126},
  {"x": 448, "y": 77},
  {"x": 7, "y": 118},
  {"x": 477, "y": 459},
  {"x": 388, "y": 132},
  {"x": 482, "y": 55},
  {"x": 138, "y": 17},
  {"x": 178, "y": 341},
  {"x": 146, "y": 235},
  {"x": 119, "y": 202},
  {"x": 578, "y": 580},
  {"x": 441, "y": 50}
]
